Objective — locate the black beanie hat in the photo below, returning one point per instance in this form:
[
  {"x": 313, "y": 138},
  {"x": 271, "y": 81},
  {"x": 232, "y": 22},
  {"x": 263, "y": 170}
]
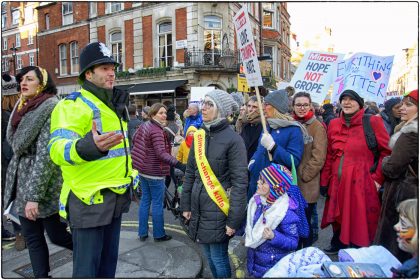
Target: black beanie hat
[{"x": 353, "y": 95}]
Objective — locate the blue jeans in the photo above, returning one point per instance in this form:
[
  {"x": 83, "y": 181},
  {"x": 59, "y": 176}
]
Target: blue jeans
[
  {"x": 152, "y": 193},
  {"x": 218, "y": 259},
  {"x": 95, "y": 250}
]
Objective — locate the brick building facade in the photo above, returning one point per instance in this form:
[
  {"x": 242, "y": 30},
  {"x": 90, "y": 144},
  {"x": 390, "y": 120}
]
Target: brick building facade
[{"x": 163, "y": 49}]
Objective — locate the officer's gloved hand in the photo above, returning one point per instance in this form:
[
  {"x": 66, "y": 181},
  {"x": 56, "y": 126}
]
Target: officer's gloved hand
[
  {"x": 181, "y": 166},
  {"x": 323, "y": 190}
]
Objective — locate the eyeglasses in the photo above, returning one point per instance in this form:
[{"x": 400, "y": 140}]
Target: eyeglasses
[
  {"x": 302, "y": 106},
  {"x": 207, "y": 104}
]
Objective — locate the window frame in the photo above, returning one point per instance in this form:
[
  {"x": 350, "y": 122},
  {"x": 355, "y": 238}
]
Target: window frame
[
  {"x": 113, "y": 5},
  {"x": 93, "y": 4},
  {"x": 5, "y": 65},
  {"x": 30, "y": 38},
  {"x": 273, "y": 16},
  {"x": 19, "y": 62},
  {"x": 18, "y": 42},
  {"x": 27, "y": 16},
  {"x": 168, "y": 60},
  {"x": 118, "y": 56},
  {"x": 62, "y": 60},
  {"x": 3, "y": 20},
  {"x": 5, "y": 44},
  {"x": 47, "y": 21},
  {"x": 13, "y": 16},
  {"x": 74, "y": 66},
  {"x": 67, "y": 17},
  {"x": 31, "y": 59},
  {"x": 213, "y": 53}
]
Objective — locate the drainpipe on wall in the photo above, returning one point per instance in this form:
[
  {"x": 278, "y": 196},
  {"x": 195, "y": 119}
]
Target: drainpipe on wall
[{"x": 261, "y": 27}]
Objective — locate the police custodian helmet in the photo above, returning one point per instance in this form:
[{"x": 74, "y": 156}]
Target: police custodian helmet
[{"x": 94, "y": 54}]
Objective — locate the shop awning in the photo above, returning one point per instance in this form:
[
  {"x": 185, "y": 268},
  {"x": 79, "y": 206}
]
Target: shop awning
[{"x": 153, "y": 88}]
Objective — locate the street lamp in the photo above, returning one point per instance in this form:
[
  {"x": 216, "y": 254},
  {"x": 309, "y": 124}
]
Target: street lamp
[{"x": 14, "y": 49}]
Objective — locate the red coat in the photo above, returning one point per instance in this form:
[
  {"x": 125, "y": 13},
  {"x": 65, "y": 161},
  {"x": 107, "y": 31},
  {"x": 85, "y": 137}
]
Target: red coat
[
  {"x": 151, "y": 152},
  {"x": 353, "y": 201}
]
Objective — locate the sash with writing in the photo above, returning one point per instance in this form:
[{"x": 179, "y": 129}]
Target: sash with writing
[{"x": 213, "y": 187}]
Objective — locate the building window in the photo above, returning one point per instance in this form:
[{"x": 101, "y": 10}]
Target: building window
[
  {"x": 284, "y": 69},
  {"x": 47, "y": 21},
  {"x": 17, "y": 44},
  {"x": 15, "y": 17},
  {"x": 63, "y": 59},
  {"x": 212, "y": 39},
  {"x": 113, "y": 7},
  {"x": 5, "y": 44},
  {"x": 116, "y": 47},
  {"x": 74, "y": 58},
  {"x": 19, "y": 63},
  {"x": 29, "y": 14},
  {"x": 165, "y": 45},
  {"x": 30, "y": 38},
  {"x": 268, "y": 15},
  {"x": 268, "y": 50},
  {"x": 5, "y": 65},
  {"x": 3, "y": 19},
  {"x": 93, "y": 9},
  {"x": 31, "y": 59},
  {"x": 67, "y": 10}
]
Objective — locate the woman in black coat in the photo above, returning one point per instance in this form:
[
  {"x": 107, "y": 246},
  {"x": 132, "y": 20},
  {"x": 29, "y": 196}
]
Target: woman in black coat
[{"x": 211, "y": 222}]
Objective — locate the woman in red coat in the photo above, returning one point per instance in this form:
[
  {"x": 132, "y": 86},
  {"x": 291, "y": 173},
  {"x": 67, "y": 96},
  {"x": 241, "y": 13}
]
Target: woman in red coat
[{"x": 352, "y": 205}]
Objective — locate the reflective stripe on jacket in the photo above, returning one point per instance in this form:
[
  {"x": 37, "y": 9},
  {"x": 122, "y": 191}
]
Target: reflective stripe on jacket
[{"x": 71, "y": 120}]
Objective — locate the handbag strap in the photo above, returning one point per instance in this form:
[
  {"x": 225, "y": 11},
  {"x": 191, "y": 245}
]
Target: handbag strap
[{"x": 412, "y": 171}]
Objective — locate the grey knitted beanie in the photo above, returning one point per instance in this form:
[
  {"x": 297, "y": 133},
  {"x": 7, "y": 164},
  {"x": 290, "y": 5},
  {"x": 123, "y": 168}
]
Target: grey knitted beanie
[
  {"x": 225, "y": 103},
  {"x": 237, "y": 96},
  {"x": 279, "y": 100}
]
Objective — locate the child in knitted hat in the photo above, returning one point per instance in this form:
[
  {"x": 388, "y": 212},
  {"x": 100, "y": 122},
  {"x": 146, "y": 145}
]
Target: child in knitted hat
[{"x": 272, "y": 221}]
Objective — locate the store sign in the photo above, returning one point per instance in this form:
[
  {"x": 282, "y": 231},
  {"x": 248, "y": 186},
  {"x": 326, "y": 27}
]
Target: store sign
[
  {"x": 181, "y": 44},
  {"x": 242, "y": 83}
]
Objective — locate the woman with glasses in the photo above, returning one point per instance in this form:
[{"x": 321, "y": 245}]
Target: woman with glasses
[
  {"x": 314, "y": 155},
  {"x": 213, "y": 198}
]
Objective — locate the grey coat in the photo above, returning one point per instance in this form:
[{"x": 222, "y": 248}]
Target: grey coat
[
  {"x": 226, "y": 154},
  {"x": 31, "y": 173}
]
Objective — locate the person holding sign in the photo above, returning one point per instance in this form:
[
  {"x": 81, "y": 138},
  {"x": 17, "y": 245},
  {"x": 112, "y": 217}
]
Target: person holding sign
[
  {"x": 213, "y": 198},
  {"x": 352, "y": 206},
  {"x": 284, "y": 139}
]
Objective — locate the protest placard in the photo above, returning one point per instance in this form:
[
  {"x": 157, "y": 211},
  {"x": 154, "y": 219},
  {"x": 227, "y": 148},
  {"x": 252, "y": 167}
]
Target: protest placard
[
  {"x": 315, "y": 74},
  {"x": 246, "y": 47},
  {"x": 366, "y": 74}
]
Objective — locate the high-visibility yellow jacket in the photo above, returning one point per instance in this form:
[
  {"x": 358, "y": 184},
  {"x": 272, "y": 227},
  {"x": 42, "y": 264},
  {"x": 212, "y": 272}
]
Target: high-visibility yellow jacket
[{"x": 71, "y": 120}]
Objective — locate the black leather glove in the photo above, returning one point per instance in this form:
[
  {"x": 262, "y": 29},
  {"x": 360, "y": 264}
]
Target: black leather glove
[
  {"x": 181, "y": 166},
  {"x": 323, "y": 190}
]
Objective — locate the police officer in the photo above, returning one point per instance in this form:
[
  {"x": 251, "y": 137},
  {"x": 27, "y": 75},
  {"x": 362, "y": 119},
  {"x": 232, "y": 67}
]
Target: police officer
[{"x": 89, "y": 141}]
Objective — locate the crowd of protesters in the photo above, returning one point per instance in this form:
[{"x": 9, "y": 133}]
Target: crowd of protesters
[{"x": 240, "y": 177}]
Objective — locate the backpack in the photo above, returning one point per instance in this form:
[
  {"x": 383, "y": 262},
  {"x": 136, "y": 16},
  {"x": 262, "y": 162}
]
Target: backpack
[{"x": 371, "y": 140}]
